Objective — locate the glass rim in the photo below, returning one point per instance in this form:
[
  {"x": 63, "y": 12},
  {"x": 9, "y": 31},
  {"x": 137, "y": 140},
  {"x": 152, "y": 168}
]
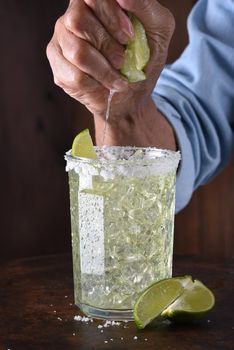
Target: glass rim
[{"x": 158, "y": 154}]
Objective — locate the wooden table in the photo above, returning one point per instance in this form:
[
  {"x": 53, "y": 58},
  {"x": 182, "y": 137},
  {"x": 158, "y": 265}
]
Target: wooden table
[{"x": 37, "y": 311}]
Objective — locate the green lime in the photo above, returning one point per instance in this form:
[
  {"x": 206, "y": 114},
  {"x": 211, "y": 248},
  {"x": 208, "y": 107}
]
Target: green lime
[
  {"x": 192, "y": 304},
  {"x": 82, "y": 145},
  {"x": 156, "y": 298},
  {"x": 137, "y": 53}
]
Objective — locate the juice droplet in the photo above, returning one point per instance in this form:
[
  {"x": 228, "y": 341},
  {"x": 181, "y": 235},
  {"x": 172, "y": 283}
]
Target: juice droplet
[{"x": 111, "y": 94}]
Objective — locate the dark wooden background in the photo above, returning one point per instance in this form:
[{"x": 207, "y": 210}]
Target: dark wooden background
[{"x": 37, "y": 124}]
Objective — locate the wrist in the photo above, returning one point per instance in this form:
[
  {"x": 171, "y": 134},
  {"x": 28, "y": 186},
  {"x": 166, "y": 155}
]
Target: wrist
[{"x": 144, "y": 127}]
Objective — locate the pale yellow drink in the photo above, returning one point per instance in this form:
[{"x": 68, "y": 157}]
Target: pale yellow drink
[{"x": 122, "y": 216}]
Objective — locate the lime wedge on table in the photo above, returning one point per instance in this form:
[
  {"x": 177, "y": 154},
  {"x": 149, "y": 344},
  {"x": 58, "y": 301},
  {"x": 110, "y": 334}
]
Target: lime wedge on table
[
  {"x": 156, "y": 298},
  {"x": 193, "y": 304},
  {"x": 137, "y": 53},
  {"x": 178, "y": 298},
  {"x": 82, "y": 145}
]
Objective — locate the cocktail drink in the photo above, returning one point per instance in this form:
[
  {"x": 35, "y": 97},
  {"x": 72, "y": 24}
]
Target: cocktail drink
[{"x": 122, "y": 218}]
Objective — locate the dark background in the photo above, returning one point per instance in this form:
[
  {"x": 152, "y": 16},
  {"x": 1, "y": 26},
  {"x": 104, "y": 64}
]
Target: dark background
[{"x": 37, "y": 124}]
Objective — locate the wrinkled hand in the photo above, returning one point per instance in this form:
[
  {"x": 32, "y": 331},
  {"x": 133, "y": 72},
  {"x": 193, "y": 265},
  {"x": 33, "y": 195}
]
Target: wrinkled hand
[{"x": 86, "y": 52}]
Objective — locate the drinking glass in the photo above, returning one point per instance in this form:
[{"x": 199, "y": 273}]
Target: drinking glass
[{"x": 122, "y": 218}]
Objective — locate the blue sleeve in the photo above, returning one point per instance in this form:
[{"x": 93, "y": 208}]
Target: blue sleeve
[{"x": 196, "y": 94}]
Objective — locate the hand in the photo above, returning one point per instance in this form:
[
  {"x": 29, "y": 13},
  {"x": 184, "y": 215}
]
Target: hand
[{"x": 86, "y": 52}]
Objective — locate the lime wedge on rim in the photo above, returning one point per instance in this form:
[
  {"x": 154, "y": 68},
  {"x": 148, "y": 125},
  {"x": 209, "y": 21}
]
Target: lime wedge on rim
[
  {"x": 193, "y": 304},
  {"x": 156, "y": 298},
  {"x": 137, "y": 53},
  {"x": 82, "y": 145}
]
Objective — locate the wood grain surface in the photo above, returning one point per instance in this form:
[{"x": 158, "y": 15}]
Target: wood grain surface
[{"x": 37, "y": 311}]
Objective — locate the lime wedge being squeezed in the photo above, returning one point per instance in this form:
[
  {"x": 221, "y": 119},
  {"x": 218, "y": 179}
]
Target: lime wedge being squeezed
[
  {"x": 137, "y": 53},
  {"x": 178, "y": 298},
  {"x": 82, "y": 145}
]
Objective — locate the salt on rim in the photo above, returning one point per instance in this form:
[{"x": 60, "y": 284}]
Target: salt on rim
[{"x": 125, "y": 161}]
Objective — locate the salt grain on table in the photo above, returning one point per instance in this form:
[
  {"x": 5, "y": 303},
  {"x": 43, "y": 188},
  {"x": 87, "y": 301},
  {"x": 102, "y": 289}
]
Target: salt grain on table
[{"x": 83, "y": 319}]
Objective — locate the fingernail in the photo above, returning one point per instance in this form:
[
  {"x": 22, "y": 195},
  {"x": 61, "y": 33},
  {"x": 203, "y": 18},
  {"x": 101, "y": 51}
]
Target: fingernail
[
  {"x": 120, "y": 84},
  {"x": 123, "y": 37},
  {"x": 128, "y": 28}
]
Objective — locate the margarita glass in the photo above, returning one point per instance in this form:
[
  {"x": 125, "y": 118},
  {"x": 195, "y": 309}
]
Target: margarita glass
[{"x": 122, "y": 218}]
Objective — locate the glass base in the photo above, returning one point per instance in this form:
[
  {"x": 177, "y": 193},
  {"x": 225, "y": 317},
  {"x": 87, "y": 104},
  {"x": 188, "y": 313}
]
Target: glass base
[{"x": 104, "y": 314}]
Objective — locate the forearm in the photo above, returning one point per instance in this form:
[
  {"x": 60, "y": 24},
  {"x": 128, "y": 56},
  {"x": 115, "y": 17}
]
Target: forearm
[{"x": 147, "y": 127}]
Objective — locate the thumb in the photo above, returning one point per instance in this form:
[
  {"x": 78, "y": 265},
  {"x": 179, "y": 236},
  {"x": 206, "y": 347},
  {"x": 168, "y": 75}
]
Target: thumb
[{"x": 156, "y": 19}]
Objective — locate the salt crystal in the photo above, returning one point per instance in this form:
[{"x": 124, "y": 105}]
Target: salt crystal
[
  {"x": 101, "y": 330},
  {"x": 59, "y": 318},
  {"x": 105, "y": 341},
  {"x": 111, "y": 339},
  {"x": 146, "y": 339},
  {"x": 55, "y": 311},
  {"x": 85, "y": 319},
  {"x": 135, "y": 338},
  {"x": 99, "y": 326},
  {"x": 78, "y": 318},
  {"x": 65, "y": 296},
  {"x": 121, "y": 338},
  {"x": 73, "y": 334}
]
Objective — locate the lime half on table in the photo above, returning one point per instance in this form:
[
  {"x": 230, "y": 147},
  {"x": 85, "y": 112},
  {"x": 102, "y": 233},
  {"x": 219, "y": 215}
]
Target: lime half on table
[
  {"x": 193, "y": 304},
  {"x": 178, "y": 298},
  {"x": 137, "y": 53},
  {"x": 156, "y": 298},
  {"x": 82, "y": 145}
]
